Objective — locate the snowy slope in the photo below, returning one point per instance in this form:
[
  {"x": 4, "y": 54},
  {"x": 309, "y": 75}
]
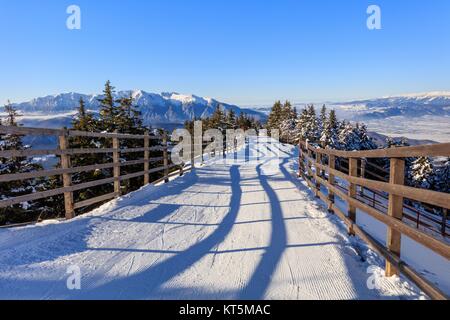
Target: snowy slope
[
  {"x": 155, "y": 108},
  {"x": 245, "y": 230}
]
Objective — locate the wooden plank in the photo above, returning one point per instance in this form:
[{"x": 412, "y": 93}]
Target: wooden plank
[
  {"x": 353, "y": 171},
  {"x": 146, "y": 158},
  {"x": 363, "y": 168},
  {"x": 28, "y": 153},
  {"x": 56, "y": 152},
  {"x": 395, "y": 210},
  {"x": 116, "y": 161},
  {"x": 132, "y": 163},
  {"x": 318, "y": 161},
  {"x": 75, "y": 133},
  {"x": 165, "y": 159},
  {"x": 49, "y": 193},
  {"x": 54, "y": 172},
  {"x": 300, "y": 161},
  {"x": 193, "y": 153},
  {"x": 67, "y": 178},
  {"x": 95, "y": 200},
  {"x": 54, "y": 192},
  {"x": 332, "y": 165},
  {"x": 133, "y": 175},
  {"x": 444, "y": 221},
  {"x": 31, "y": 131},
  {"x": 49, "y": 173},
  {"x": 430, "y": 150},
  {"x": 70, "y": 133},
  {"x": 309, "y": 164}
]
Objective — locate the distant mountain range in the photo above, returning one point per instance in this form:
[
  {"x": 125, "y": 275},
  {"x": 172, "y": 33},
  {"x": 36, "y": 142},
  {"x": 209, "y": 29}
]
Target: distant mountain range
[
  {"x": 410, "y": 105},
  {"x": 424, "y": 116},
  {"x": 157, "y": 109}
]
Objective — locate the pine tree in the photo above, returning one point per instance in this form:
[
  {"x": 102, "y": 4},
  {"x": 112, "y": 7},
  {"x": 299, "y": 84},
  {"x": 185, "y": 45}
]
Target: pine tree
[
  {"x": 129, "y": 118},
  {"x": 218, "y": 119},
  {"x": 309, "y": 125},
  {"x": 443, "y": 177},
  {"x": 108, "y": 109},
  {"x": 275, "y": 117},
  {"x": 353, "y": 138},
  {"x": 288, "y": 125},
  {"x": 84, "y": 121},
  {"x": 323, "y": 117},
  {"x": 231, "y": 119},
  {"x": 25, "y": 211},
  {"x": 330, "y": 132},
  {"x": 422, "y": 173}
]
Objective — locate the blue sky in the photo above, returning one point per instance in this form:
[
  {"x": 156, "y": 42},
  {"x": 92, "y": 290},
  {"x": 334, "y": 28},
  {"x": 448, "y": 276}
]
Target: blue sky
[{"x": 239, "y": 51}]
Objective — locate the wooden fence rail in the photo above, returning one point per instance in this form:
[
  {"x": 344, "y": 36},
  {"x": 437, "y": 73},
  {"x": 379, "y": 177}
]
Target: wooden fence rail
[{"x": 313, "y": 169}]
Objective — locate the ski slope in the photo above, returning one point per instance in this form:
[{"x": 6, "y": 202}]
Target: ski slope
[{"x": 247, "y": 229}]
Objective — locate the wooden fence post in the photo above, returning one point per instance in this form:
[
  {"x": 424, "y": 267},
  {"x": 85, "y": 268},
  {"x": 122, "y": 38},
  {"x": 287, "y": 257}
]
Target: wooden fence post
[
  {"x": 363, "y": 168},
  {"x": 300, "y": 160},
  {"x": 203, "y": 151},
  {"x": 67, "y": 177},
  {"x": 166, "y": 158},
  {"x": 331, "y": 165},
  {"x": 318, "y": 171},
  {"x": 116, "y": 161},
  {"x": 146, "y": 158},
  {"x": 308, "y": 164},
  {"x": 192, "y": 153},
  {"x": 363, "y": 174},
  {"x": 395, "y": 210},
  {"x": 444, "y": 220},
  {"x": 353, "y": 171}
]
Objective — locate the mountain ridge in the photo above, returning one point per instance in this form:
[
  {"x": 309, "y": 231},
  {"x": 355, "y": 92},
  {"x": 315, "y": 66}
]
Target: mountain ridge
[
  {"x": 166, "y": 107},
  {"x": 436, "y": 103}
]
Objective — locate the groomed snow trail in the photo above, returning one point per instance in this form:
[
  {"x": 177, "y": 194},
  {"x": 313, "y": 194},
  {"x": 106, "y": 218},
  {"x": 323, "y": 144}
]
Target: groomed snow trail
[{"x": 243, "y": 230}]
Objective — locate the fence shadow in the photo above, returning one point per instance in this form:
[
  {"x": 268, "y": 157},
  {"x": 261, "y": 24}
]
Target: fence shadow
[
  {"x": 258, "y": 284},
  {"x": 146, "y": 283}
]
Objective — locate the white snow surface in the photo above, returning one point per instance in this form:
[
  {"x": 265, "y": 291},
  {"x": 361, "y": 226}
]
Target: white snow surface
[{"x": 243, "y": 230}]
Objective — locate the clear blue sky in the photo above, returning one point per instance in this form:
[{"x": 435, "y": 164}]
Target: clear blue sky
[{"x": 239, "y": 51}]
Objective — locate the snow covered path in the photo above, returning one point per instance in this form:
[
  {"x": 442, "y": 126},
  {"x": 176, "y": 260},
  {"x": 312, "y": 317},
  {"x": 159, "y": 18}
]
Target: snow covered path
[{"x": 246, "y": 230}]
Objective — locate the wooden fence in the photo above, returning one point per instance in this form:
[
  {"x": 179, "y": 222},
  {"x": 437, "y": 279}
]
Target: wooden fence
[
  {"x": 66, "y": 169},
  {"x": 317, "y": 166},
  {"x": 423, "y": 216}
]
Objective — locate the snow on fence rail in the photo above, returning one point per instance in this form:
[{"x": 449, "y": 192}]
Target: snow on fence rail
[{"x": 312, "y": 169}]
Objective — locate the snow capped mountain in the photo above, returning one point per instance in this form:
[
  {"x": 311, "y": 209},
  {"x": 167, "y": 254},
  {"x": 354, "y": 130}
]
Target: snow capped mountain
[
  {"x": 164, "y": 108},
  {"x": 408, "y": 105}
]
